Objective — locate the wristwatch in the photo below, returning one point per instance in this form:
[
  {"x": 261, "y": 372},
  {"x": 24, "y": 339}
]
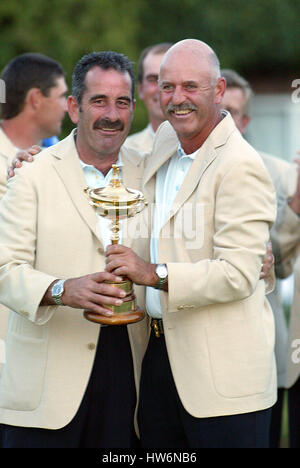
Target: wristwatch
[
  {"x": 162, "y": 272},
  {"x": 57, "y": 291}
]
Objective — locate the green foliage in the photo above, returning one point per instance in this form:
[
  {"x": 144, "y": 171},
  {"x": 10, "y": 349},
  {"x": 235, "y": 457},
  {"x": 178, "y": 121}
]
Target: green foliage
[{"x": 248, "y": 35}]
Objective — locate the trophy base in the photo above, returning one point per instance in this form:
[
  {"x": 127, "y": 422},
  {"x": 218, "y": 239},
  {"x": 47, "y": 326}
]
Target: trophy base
[
  {"x": 124, "y": 314},
  {"x": 115, "y": 319}
]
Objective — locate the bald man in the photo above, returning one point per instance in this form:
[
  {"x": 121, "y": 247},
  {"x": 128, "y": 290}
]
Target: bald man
[{"x": 208, "y": 376}]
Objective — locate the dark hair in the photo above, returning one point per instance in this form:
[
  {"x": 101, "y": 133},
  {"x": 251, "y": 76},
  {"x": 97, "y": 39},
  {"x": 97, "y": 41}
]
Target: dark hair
[
  {"x": 156, "y": 49},
  {"x": 23, "y": 73},
  {"x": 105, "y": 60}
]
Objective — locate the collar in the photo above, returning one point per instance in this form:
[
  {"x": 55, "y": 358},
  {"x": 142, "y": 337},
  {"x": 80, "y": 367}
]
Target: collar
[
  {"x": 90, "y": 166},
  {"x": 181, "y": 151},
  {"x": 150, "y": 128},
  {"x": 119, "y": 163}
]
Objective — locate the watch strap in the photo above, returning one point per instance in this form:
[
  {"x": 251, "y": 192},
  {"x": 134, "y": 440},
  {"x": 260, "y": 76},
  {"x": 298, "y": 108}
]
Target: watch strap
[
  {"x": 161, "y": 280},
  {"x": 160, "y": 283}
]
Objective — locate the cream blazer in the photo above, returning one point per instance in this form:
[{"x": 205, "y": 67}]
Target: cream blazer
[
  {"x": 7, "y": 152},
  {"x": 141, "y": 141},
  {"x": 280, "y": 171},
  {"x": 287, "y": 237},
  {"x": 48, "y": 230},
  {"x": 219, "y": 327}
]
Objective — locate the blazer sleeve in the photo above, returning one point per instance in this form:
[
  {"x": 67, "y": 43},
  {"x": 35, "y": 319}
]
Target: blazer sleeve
[
  {"x": 245, "y": 210},
  {"x": 285, "y": 237},
  {"x": 22, "y": 287},
  {"x": 3, "y": 177}
]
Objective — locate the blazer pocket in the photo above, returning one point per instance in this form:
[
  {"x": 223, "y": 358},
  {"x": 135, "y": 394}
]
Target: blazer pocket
[
  {"x": 241, "y": 358},
  {"x": 22, "y": 378}
]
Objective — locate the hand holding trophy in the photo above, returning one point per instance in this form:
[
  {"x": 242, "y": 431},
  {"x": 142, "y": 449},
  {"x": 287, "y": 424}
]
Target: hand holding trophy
[{"x": 116, "y": 202}]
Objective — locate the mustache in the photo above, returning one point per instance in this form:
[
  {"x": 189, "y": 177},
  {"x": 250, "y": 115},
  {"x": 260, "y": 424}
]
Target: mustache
[
  {"x": 179, "y": 107},
  {"x": 107, "y": 123}
]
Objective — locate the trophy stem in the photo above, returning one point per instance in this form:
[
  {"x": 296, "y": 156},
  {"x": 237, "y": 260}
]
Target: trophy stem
[{"x": 115, "y": 228}]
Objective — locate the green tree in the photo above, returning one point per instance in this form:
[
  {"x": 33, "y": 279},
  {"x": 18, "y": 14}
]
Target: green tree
[{"x": 252, "y": 36}]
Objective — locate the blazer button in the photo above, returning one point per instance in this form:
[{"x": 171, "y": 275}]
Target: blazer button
[
  {"x": 91, "y": 346},
  {"x": 100, "y": 251},
  {"x": 181, "y": 307},
  {"x": 24, "y": 312}
]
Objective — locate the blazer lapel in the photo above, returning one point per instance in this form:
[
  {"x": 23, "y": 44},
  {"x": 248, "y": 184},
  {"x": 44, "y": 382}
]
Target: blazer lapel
[{"x": 68, "y": 167}]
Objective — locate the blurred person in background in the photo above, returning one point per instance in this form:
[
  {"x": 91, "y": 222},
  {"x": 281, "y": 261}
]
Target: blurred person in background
[
  {"x": 237, "y": 100},
  {"x": 287, "y": 232},
  {"x": 34, "y": 107}
]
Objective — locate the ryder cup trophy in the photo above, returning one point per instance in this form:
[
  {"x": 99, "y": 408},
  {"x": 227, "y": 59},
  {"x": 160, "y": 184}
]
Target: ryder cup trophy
[{"x": 116, "y": 202}]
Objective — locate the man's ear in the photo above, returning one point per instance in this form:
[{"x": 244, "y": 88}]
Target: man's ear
[
  {"x": 220, "y": 90},
  {"x": 245, "y": 122},
  {"x": 73, "y": 109},
  {"x": 34, "y": 98}
]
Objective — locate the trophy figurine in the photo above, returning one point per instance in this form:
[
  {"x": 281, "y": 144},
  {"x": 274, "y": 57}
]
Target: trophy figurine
[{"x": 116, "y": 202}]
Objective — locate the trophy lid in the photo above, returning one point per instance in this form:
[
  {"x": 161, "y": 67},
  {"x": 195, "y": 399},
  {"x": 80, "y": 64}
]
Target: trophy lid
[{"x": 115, "y": 191}]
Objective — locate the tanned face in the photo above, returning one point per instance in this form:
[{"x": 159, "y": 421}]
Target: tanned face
[
  {"x": 105, "y": 114},
  {"x": 190, "y": 94}
]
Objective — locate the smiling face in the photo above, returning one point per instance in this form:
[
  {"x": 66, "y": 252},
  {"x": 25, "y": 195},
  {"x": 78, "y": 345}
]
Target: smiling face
[
  {"x": 105, "y": 114},
  {"x": 190, "y": 93}
]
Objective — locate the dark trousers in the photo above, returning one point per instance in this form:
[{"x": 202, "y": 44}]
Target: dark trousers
[
  {"x": 105, "y": 416},
  {"x": 276, "y": 420},
  {"x": 164, "y": 423},
  {"x": 294, "y": 415}
]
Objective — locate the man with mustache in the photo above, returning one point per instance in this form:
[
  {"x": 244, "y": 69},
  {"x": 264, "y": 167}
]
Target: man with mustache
[
  {"x": 209, "y": 376},
  {"x": 67, "y": 383}
]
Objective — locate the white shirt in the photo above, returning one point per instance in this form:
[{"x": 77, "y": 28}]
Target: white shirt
[
  {"x": 169, "y": 179},
  {"x": 95, "y": 179}
]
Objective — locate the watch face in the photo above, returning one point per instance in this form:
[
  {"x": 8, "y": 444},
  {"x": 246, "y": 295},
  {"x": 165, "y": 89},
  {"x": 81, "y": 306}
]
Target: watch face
[
  {"x": 162, "y": 271},
  {"x": 57, "y": 288}
]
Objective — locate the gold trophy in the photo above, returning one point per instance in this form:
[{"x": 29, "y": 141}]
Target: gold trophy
[{"x": 116, "y": 202}]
